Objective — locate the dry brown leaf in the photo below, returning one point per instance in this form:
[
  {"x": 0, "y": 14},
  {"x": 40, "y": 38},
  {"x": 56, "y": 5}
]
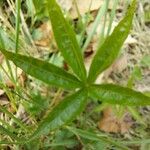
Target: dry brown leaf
[
  {"x": 1, "y": 58},
  {"x": 89, "y": 53},
  {"x": 3, "y": 98},
  {"x": 47, "y": 35},
  {"x": 22, "y": 79},
  {"x": 130, "y": 40},
  {"x": 84, "y": 5},
  {"x": 1, "y": 92},
  {"x": 112, "y": 124},
  {"x": 118, "y": 66},
  {"x": 65, "y": 4}
]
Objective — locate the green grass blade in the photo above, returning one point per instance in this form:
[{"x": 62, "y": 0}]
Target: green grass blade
[
  {"x": 7, "y": 132},
  {"x": 18, "y": 6},
  {"x": 66, "y": 40},
  {"x": 63, "y": 113},
  {"x": 7, "y": 142},
  {"x": 64, "y": 143},
  {"x": 43, "y": 71},
  {"x": 16, "y": 120},
  {"x": 114, "y": 94},
  {"x": 6, "y": 43},
  {"x": 113, "y": 12},
  {"x": 102, "y": 33},
  {"x": 137, "y": 142},
  {"x": 7, "y": 125},
  {"x": 109, "y": 50},
  {"x": 96, "y": 137},
  {"x": 136, "y": 114},
  {"x": 99, "y": 16}
]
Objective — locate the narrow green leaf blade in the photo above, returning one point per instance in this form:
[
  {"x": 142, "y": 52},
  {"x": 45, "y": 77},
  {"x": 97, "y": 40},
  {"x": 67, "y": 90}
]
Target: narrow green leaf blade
[
  {"x": 66, "y": 39},
  {"x": 7, "y": 132},
  {"x": 114, "y": 94},
  {"x": 63, "y": 113},
  {"x": 92, "y": 136},
  {"x": 108, "y": 52},
  {"x": 43, "y": 71}
]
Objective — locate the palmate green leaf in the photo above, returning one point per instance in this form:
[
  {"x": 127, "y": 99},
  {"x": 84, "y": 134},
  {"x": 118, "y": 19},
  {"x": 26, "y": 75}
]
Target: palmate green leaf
[
  {"x": 43, "y": 71},
  {"x": 114, "y": 94},
  {"x": 108, "y": 52},
  {"x": 66, "y": 40},
  {"x": 63, "y": 113}
]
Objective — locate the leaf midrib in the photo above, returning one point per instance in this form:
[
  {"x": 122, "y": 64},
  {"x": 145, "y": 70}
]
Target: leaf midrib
[
  {"x": 125, "y": 93},
  {"x": 72, "y": 45},
  {"x": 109, "y": 57},
  {"x": 59, "y": 76}
]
